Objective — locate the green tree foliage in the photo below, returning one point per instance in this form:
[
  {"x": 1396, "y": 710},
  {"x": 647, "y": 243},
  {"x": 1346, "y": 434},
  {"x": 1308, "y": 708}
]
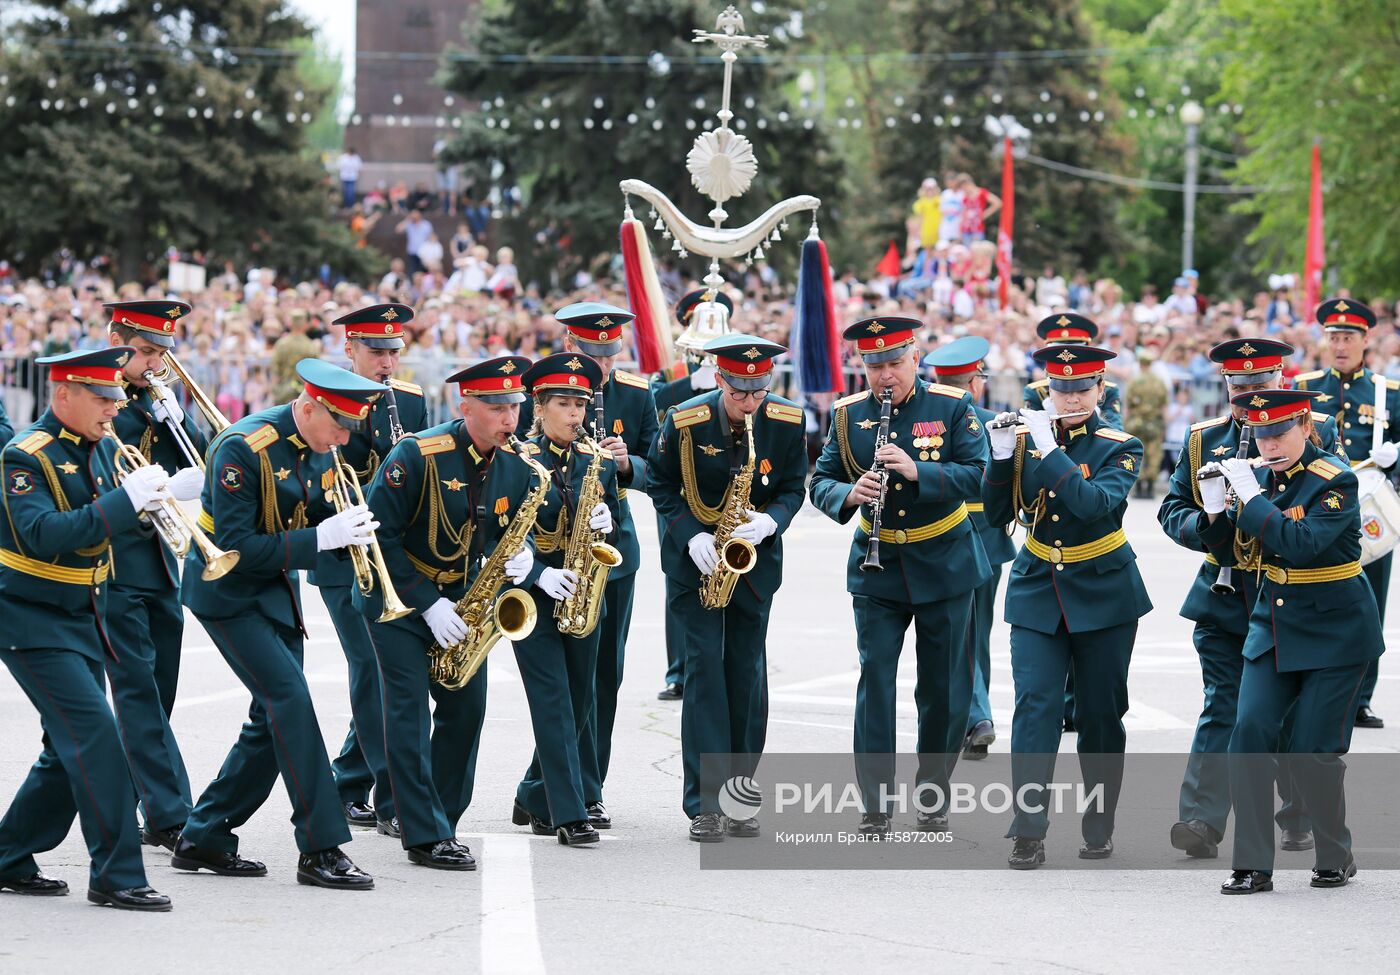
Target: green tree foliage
[
  {"x": 568, "y": 134},
  {"x": 1331, "y": 72},
  {"x": 134, "y": 127}
]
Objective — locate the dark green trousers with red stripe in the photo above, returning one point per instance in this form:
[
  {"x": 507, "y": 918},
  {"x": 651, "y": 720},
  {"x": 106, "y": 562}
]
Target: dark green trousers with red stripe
[{"x": 280, "y": 737}]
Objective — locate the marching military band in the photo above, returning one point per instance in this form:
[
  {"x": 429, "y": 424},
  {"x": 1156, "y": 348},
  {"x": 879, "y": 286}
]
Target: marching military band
[{"x": 430, "y": 546}]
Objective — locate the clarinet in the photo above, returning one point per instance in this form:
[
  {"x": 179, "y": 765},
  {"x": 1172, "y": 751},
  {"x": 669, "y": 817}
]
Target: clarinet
[
  {"x": 599, "y": 433},
  {"x": 396, "y": 431},
  {"x": 877, "y": 507},
  {"x": 1224, "y": 584}
]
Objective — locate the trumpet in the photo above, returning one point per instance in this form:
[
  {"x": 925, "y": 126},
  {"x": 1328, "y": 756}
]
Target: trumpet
[
  {"x": 1003, "y": 424},
  {"x": 1213, "y": 470},
  {"x": 367, "y": 560},
  {"x": 177, "y": 527}
]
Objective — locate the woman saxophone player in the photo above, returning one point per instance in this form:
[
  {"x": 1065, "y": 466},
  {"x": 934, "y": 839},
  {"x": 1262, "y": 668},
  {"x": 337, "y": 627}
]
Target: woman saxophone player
[{"x": 557, "y": 667}]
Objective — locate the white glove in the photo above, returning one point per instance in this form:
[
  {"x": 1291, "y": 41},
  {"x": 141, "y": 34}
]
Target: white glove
[
  {"x": 1213, "y": 495},
  {"x": 146, "y": 487},
  {"x": 759, "y": 526},
  {"x": 558, "y": 583},
  {"x": 353, "y": 526},
  {"x": 1242, "y": 479},
  {"x": 600, "y": 519},
  {"x": 1042, "y": 429},
  {"x": 702, "y": 552},
  {"x": 448, "y": 628},
  {"x": 186, "y": 483},
  {"x": 167, "y": 411},
  {"x": 703, "y": 378},
  {"x": 1385, "y": 456},
  {"x": 518, "y": 566},
  {"x": 1004, "y": 438}
]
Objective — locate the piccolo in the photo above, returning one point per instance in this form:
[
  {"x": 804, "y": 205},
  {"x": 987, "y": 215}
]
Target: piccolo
[
  {"x": 1003, "y": 424},
  {"x": 1206, "y": 473}
]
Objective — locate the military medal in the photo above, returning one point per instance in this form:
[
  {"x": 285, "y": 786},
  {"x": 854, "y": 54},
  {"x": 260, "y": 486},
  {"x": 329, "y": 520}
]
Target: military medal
[
  {"x": 502, "y": 506},
  {"x": 764, "y": 466}
]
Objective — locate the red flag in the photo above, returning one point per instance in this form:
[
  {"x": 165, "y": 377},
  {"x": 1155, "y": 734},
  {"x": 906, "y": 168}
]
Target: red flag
[
  {"x": 1008, "y": 217},
  {"x": 1314, "y": 259},
  {"x": 889, "y": 264}
]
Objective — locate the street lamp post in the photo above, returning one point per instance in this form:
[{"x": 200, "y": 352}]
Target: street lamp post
[{"x": 1191, "y": 116}]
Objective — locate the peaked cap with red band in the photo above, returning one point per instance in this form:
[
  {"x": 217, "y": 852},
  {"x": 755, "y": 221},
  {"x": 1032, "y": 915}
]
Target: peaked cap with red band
[
  {"x": 1249, "y": 362},
  {"x": 100, "y": 370},
  {"x": 882, "y": 339},
  {"x": 745, "y": 361},
  {"x": 595, "y": 326},
  {"x": 1071, "y": 368},
  {"x": 1067, "y": 328},
  {"x": 1273, "y": 411},
  {"x": 499, "y": 380},
  {"x": 155, "y": 320},
  {"x": 1345, "y": 313},
  {"x": 564, "y": 372},
  {"x": 377, "y": 326},
  {"x": 347, "y": 396}
]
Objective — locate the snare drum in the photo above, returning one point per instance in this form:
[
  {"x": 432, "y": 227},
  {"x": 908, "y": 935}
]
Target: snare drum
[{"x": 1380, "y": 515}]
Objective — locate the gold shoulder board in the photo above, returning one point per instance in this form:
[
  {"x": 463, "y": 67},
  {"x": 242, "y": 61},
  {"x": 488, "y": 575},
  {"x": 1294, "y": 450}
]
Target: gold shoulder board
[
  {"x": 1109, "y": 385},
  {"x": 1207, "y": 424},
  {"x": 1108, "y": 433},
  {"x": 262, "y": 438},
  {"x": 406, "y": 387},
  {"x": 952, "y": 392},
  {"x": 690, "y": 417},
  {"x": 845, "y": 401},
  {"x": 1040, "y": 384},
  {"x": 442, "y": 443},
  {"x": 1324, "y": 469},
  {"x": 35, "y": 442},
  {"x": 1304, "y": 377},
  {"x": 781, "y": 411},
  {"x": 1392, "y": 384},
  {"x": 628, "y": 379},
  {"x": 1320, "y": 417},
  {"x": 581, "y": 448}
]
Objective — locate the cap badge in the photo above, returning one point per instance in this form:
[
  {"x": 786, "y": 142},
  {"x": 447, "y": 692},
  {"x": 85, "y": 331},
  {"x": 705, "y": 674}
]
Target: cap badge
[
  {"x": 508, "y": 367},
  {"x": 752, "y": 353},
  {"x": 1263, "y": 414},
  {"x": 1247, "y": 349},
  {"x": 388, "y": 330},
  {"x": 604, "y": 322},
  {"x": 508, "y": 383},
  {"x": 1248, "y": 363},
  {"x": 1062, "y": 321},
  {"x": 173, "y": 313},
  {"x": 574, "y": 364},
  {"x": 752, "y": 368},
  {"x": 1343, "y": 306},
  {"x": 1066, "y": 356},
  {"x": 389, "y": 315},
  {"x": 573, "y": 380},
  {"x": 1258, "y": 401},
  {"x": 875, "y": 328},
  {"x": 1069, "y": 370},
  {"x": 879, "y": 343}
]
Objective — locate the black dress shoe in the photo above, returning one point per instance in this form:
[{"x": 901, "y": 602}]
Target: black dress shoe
[
  {"x": 1248, "y": 882},
  {"x": 442, "y": 855},
  {"x": 707, "y": 828},
  {"x": 598, "y": 816},
  {"x": 1334, "y": 878},
  {"x": 875, "y": 824},
  {"x": 166, "y": 838},
  {"x": 359, "y": 814},
  {"x": 931, "y": 821},
  {"x": 1196, "y": 839},
  {"x": 1096, "y": 851},
  {"x": 983, "y": 733},
  {"x": 1026, "y": 853},
  {"x": 388, "y": 827},
  {"x": 333, "y": 869},
  {"x": 130, "y": 899},
  {"x": 36, "y": 885},
  {"x": 1366, "y": 718},
  {"x": 576, "y": 834},
  {"x": 744, "y": 829},
  {"x": 521, "y": 816},
  {"x": 187, "y": 856},
  {"x": 1294, "y": 840},
  {"x": 672, "y": 692}
]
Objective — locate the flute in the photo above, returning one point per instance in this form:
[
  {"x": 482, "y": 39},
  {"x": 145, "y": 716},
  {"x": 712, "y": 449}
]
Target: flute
[
  {"x": 1003, "y": 424},
  {"x": 1213, "y": 470}
]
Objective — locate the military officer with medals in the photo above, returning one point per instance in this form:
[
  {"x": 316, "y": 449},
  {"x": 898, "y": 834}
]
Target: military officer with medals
[
  {"x": 931, "y": 560},
  {"x": 444, "y": 498},
  {"x": 1313, "y": 632},
  {"x": 960, "y": 364},
  {"x": 729, "y": 463},
  {"x": 63, "y": 506},
  {"x": 144, "y": 620},
  {"x": 1071, "y": 328},
  {"x": 266, "y": 496},
  {"x": 1066, "y": 477},
  {"x": 1222, "y": 617},
  {"x": 373, "y": 342},
  {"x": 629, "y": 417},
  {"x": 559, "y": 669},
  {"x": 696, "y": 377},
  {"x": 1348, "y": 392}
]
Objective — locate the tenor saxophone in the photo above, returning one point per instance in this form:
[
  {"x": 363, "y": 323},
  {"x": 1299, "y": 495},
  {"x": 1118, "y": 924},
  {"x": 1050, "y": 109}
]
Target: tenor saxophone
[
  {"x": 489, "y": 613},
  {"x": 736, "y": 555},
  {"x": 588, "y": 556}
]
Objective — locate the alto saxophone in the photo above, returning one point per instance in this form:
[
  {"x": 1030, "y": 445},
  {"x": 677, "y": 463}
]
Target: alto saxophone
[
  {"x": 736, "y": 555},
  {"x": 588, "y": 556},
  {"x": 490, "y": 616}
]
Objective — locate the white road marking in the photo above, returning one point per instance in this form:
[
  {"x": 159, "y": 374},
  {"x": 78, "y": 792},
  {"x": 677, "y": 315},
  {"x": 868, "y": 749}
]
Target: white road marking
[{"x": 510, "y": 938}]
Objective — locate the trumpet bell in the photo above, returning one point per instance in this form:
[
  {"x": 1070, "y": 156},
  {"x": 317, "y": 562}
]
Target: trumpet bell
[
  {"x": 394, "y": 610},
  {"x": 219, "y": 566},
  {"x": 515, "y": 614},
  {"x": 709, "y": 321},
  {"x": 738, "y": 556}
]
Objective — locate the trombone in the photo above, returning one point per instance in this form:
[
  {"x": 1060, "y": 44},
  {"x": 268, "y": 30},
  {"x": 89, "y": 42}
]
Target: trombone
[
  {"x": 367, "y": 560},
  {"x": 160, "y": 389},
  {"x": 176, "y": 526}
]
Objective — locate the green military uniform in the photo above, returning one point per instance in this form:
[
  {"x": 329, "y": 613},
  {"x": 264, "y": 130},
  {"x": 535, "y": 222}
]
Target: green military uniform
[
  {"x": 7, "y": 430},
  {"x": 1073, "y": 599},
  {"x": 361, "y": 762},
  {"x": 266, "y": 490},
  {"x": 1312, "y": 633},
  {"x": 146, "y": 624},
  {"x": 1110, "y": 407},
  {"x": 442, "y": 507},
  {"x": 696, "y": 457},
  {"x": 287, "y": 351},
  {"x": 62, "y": 506},
  {"x": 1351, "y": 399},
  {"x": 999, "y": 548},
  {"x": 932, "y": 562},
  {"x": 1147, "y": 404}
]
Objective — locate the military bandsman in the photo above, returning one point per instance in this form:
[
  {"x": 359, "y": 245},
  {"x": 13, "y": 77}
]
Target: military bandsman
[
  {"x": 63, "y": 507},
  {"x": 711, "y": 478},
  {"x": 1071, "y": 328},
  {"x": 1074, "y": 597},
  {"x": 931, "y": 560},
  {"x": 266, "y": 496}
]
